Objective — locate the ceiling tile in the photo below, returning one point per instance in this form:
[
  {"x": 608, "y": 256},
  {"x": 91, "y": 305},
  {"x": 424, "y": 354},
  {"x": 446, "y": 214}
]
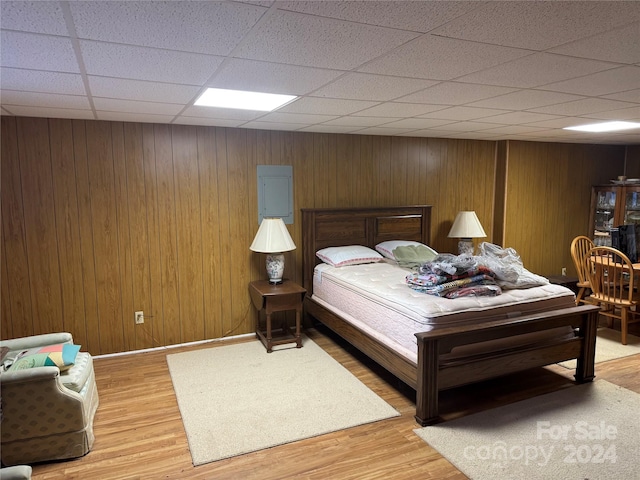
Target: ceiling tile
[
  {"x": 204, "y": 27},
  {"x": 364, "y": 86},
  {"x": 41, "y": 81},
  {"x": 465, "y": 126},
  {"x": 513, "y": 129},
  {"x": 238, "y": 74},
  {"x": 299, "y": 118},
  {"x": 297, "y": 39},
  {"x": 537, "y": 69},
  {"x": 133, "y": 117},
  {"x": 426, "y": 133},
  {"x": 258, "y": 125},
  {"x": 560, "y": 122},
  {"x": 398, "y": 110},
  {"x": 414, "y": 16},
  {"x": 25, "y": 111},
  {"x": 431, "y": 57},
  {"x": 139, "y": 90},
  {"x": 452, "y": 93},
  {"x": 632, "y": 113},
  {"x": 205, "y": 121},
  {"x": 628, "y": 96},
  {"x": 620, "y": 45},
  {"x": 360, "y": 121},
  {"x": 35, "y": 17},
  {"x": 465, "y": 113},
  {"x": 325, "y": 128},
  {"x": 140, "y": 63},
  {"x": 132, "y": 106},
  {"x": 383, "y": 131},
  {"x": 10, "y": 97},
  {"x": 481, "y": 135},
  {"x": 417, "y": 123},
  {"x": 602, "y": 83},
  {"x": 525, "y": 99},
  {"x": 38, "y": 52},
  {"x": 326, "y": 106},
  {"x": 582, "y": 107},
  {"x": 222, "y": 113},
  {"x": 539, "y": 25},
  {"x": 518, "y": 118}
]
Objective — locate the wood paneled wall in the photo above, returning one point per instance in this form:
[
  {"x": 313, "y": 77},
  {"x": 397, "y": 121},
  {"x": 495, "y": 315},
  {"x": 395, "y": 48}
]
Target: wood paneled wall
[
  {"x": 548, "y": 195},
  {"x": 100, "y": 219}
]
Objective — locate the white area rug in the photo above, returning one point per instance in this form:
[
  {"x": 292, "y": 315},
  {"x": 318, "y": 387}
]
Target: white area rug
[
  {"x": 588, "y": 431},
  {"x": 609, "y": 347},
  {"x": 238, "y": 398}
]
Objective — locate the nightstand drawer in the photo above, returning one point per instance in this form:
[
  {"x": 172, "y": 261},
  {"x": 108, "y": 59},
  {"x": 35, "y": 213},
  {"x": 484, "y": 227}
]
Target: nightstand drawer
[{"x": 283, "y": 302}]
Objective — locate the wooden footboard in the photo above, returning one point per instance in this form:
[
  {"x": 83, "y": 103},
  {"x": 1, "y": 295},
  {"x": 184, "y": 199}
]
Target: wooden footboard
[{"x": 434, "y": 374}]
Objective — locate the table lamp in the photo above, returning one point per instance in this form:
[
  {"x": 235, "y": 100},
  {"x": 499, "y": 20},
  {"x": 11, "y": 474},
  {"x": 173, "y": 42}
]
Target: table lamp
[
  {"x": 465, "y": 227},
  {"x": 273, "y": 238}
]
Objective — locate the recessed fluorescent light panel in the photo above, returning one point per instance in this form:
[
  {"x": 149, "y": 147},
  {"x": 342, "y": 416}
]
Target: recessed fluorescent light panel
[
  {"x": 605, "y": 127},
  {"x": 222, "y": 98}
]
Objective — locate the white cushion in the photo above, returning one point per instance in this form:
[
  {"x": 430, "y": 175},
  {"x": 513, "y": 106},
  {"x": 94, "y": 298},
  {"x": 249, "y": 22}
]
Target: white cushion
[{"x": 348, "y": 255}]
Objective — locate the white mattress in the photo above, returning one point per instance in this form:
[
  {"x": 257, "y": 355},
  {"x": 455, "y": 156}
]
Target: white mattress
[{"x": 376, "y": 299}]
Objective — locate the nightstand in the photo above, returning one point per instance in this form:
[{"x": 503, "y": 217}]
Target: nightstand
[
  {"x": 569, "y": 282},
  {"x": 287, "y": 295}
]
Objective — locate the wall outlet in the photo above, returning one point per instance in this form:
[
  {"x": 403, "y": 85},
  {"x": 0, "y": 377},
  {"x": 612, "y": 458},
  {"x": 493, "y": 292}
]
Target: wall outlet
[
  {"x": 564, "y": 271},
  {"x": 139, "y": 317}
]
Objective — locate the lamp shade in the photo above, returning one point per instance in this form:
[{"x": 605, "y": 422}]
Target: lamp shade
[
  {"x": 272, "y": 237},
  {"x": 466, "y": 225}
]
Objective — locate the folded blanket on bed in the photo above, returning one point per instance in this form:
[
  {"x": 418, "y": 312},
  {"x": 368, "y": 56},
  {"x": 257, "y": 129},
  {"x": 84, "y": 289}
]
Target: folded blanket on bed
[
  {"x": 433, "y": 279},
  {"x": 413, "y": 256},
  {"x": 475, "y": 291},
  {"x": 448, "y": 264},
  {"x": 457, "y": 288}
]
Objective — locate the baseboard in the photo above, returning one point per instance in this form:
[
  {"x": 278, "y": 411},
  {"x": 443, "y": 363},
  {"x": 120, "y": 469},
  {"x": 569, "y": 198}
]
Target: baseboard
[{"x": 169, "y": 347}]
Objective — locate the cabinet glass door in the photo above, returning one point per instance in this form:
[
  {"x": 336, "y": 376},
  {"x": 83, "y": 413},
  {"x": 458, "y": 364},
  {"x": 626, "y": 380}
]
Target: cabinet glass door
[
  {"x": 604, "y": 217},
  {"x": 632, "y": 207}
]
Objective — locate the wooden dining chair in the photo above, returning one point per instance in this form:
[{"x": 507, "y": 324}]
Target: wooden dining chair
[
  {"x": 580, "y": 247},
  {"x": 612, "y": 286}
]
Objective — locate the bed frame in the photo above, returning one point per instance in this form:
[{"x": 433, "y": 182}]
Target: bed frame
[{"x": 326, "y": 227}]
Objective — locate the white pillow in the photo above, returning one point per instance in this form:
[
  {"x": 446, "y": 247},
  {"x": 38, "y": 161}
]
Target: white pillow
[
  {"x": 386, "y": 248},
  {"x": 348, "y": 255}
]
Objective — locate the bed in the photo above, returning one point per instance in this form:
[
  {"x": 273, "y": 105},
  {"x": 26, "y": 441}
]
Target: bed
[{"x": 445, "y": 353}]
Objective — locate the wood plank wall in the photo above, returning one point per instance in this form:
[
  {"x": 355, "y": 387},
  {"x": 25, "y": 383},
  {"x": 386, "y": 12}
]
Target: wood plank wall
[
  {"x": 548, "y": 194},
  {"x": 100, "y": 219}
]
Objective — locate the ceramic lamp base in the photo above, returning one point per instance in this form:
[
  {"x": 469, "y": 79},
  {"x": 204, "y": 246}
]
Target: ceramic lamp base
[
  {"x": 275, "y": 267},
  {"x": 465, "y": 246}
]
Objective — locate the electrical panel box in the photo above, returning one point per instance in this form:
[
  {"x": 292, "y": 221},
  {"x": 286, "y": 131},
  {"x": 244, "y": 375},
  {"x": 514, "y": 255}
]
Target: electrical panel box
[{"x": 275, "y": 192}]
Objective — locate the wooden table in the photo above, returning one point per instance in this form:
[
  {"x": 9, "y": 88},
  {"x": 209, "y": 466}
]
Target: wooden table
[
  {"x": 287, "y": 295},
  {"x": 601, "y": 260}
]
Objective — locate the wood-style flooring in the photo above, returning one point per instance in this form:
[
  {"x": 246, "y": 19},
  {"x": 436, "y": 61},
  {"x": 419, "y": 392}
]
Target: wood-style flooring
[{"x": 139, "y": 432}]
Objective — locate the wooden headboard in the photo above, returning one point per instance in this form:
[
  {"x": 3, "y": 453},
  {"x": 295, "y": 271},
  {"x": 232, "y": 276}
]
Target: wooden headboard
[{"x": 333, "y": 227}]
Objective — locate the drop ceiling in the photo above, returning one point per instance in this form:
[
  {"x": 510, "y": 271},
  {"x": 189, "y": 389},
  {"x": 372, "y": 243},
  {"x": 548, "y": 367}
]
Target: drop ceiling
[{"x": 454, "y": 69}]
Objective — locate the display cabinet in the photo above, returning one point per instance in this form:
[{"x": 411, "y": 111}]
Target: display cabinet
[{"x": 611, "y": 206}]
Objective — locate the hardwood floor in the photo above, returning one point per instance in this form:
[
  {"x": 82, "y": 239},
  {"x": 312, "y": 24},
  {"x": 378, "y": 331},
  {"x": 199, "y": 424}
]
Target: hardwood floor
[{"x": 139, "y": 432}]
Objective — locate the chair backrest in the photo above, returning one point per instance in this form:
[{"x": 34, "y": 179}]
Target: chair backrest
[
  {"x": 611, "y": 276},
  {"x": 580, "y": 247}
]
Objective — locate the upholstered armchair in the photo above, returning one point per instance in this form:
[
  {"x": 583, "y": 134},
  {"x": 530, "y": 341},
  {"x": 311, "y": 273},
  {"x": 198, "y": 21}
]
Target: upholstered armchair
[{"x": 46, "y": 414}]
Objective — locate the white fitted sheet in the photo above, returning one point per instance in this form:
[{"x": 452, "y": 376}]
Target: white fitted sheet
[{"x": 375, "y": 298}]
